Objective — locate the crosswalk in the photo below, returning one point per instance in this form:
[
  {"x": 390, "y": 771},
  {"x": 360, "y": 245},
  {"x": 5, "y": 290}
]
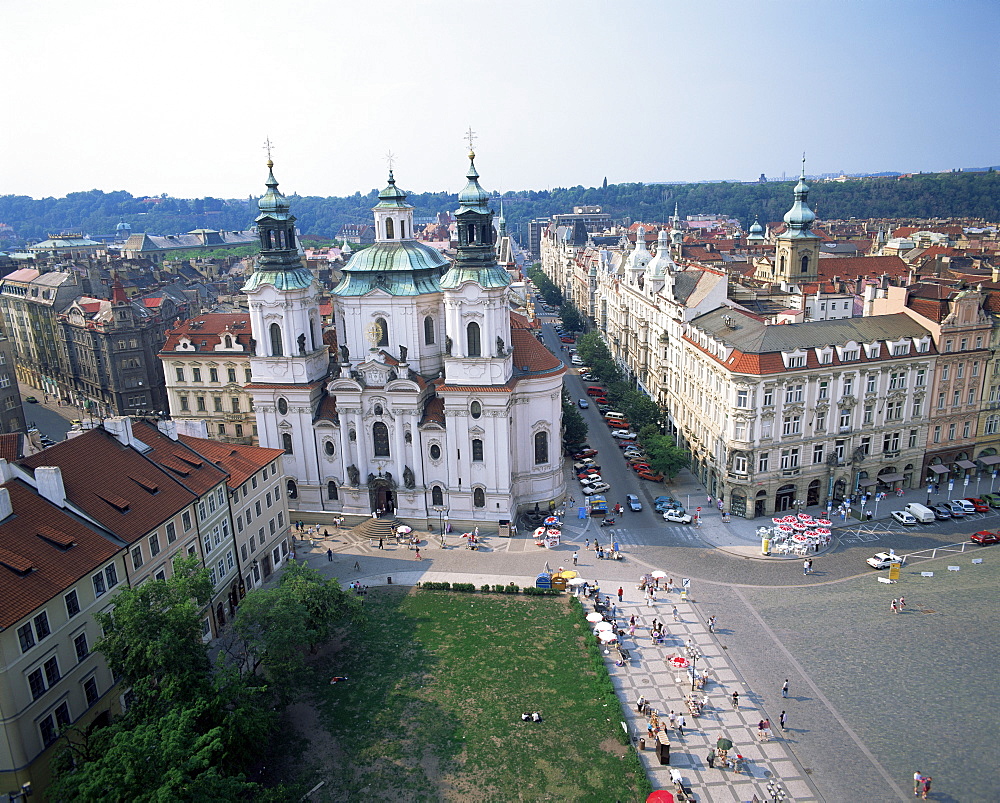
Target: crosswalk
[{"x": 625, "y": 536}]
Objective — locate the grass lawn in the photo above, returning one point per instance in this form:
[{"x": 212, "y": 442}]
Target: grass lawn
[{"x": 432, "y": 708}]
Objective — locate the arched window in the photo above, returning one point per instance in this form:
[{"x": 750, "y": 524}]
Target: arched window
[
  {"x": 472, "y": 233},
  {"x": 229, "y": 341},
  {"x": 476, "y": 409},
  {"x": 290, "y": 238},
  {"x": 479, "y": 498},
  {"x": 331, "y": 490},
  {"x": 286, "y": 442},
  {"x": 293, "y": 491},
  {"x": 475, "y": 346},
  {"x": 282, "y": 406},
  {"x": 383, "y": 335},
  {"x": 805, "y": 263},
  {"x": 477, "y": 450},
  {"x": 380, "y": 439},
  {"x": 781, "y": 265},
  {"x": 437, "y": 496},
  {"x": 541, "y": 447},
  {"x": 428, "y": 331},
  {"x": 487, "y": 231},
  {"x": 389, "y": 234},
  {"x": 275, "y": 331}
]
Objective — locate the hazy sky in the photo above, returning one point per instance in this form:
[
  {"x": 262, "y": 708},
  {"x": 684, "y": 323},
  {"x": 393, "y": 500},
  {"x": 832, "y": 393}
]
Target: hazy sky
[{"x": 178, "y": 96}]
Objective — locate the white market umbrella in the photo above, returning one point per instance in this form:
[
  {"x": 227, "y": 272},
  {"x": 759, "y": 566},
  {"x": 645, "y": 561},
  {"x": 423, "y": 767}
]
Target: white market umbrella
[
  {"x": 594, "y": 617},
  {"x": 576, "y": 581},
  {"x": 658, "y": 573},
  {"x": 604, "y": 626}
]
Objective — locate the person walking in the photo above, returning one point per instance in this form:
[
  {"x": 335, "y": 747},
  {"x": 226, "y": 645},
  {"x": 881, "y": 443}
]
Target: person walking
[
  {"x": 575, "y": 556},
  {"x": 926, "y": 786},
  {"x": 805, "y": 567},
  {"x": 681, "y": 722},
  {"x": 784, "y": 688},
  {"x": 329, "y": 555},
  {"x": 677, "y": 617},
  {"x": 918, "y": 782},
  {"x": 736, "y": 701},
  {"x": 417, "y": 555},
  {"x": 902, "y": 604},
  {"x": 621, "y": 594},
  {"x": 892, "y": 607},
  {"x": 381, "y": 542},
  {"x": 710, "y": 759},
  {"x": 782, "y": 720},
  {"x": 586, "y": 544}
]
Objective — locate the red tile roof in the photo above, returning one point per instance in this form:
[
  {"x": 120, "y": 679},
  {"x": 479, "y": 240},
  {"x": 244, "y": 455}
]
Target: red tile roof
[
  {"x": 10, "y": 446},
  {"x": 100, "y": 473},
  {"x": 530, "y": 353},
  {"x": 43, "y": 551},
  {"x": 208, "y": 329},
  {"x": 241, "y": 462},
  {"x": 433, "y": 411},
  {"x": 327, "y": 409},
  {"x": 191, "y": 468},
  {"x": 853, "y": 267}
]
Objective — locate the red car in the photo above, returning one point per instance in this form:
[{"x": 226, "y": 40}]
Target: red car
[
  {"x": 587, "y": 472},
  {"x": 640, "y": 466},
  {"x": 585, "y": 453},
  {"x": 646, "y": 475},
  {"x": 566, "y": 340},
  {"x": 617, "y": 423},
  {"x": 985, "y": 537},
  {"x": 978, "y": 504}
]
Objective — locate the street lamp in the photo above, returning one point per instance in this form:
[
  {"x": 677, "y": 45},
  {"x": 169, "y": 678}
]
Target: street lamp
[{"x": 694, "y": 663}]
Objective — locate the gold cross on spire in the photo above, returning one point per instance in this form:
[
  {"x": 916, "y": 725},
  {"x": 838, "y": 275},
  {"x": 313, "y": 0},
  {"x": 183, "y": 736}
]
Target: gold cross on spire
[
  {"x": 267, "y": 147},
  {"x": 471, "y": 136}
]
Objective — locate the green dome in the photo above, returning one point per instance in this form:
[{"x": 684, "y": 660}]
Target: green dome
[
  {"x": 473, "y": 198},
  {"x": 399, "y": 267},
  {"x": 392, "y": 196},
  {"x": 282, "y": 279},
  {"x": 273, "y": 204}
]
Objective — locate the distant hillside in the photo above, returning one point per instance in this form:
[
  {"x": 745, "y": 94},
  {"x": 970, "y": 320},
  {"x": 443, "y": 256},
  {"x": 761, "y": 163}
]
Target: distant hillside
[{"x": 921, "y": 196}]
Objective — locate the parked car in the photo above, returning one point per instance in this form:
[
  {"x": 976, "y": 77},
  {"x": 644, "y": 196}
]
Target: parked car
[
  {"x": 618, "y": 423},
  {"x": 584, "y": 453},
  {"x": 677, "y": 516},
  {"x": 903, "y": 517},
  {"x": 979, "y": 504},
  {"x": 590, "y": 479},
  {"x": 587, "y": 462},
  {"x": 650, "y": 476},
  {"x": 584, "y": 404},
  {"x": 633, "y": 502},
  {"x": 624, "y": 435},
  {"x": 941, "y": 511},
  {"x": 596, "y": 488},
  {"x": 587, "y": 473},
  {"x": 31, "y": 399},
  {"x": 576, "y": 360},
  {"x": 595, "y": 390},
  {"x": 883, "y": 560},
  {"x": 958, "y": 510},
  {"x": 993, "y": 500},
  {"x": 566, "y": 340},
  {"x": 985, "y": 537},
  {"x": 586, "y": 377}
]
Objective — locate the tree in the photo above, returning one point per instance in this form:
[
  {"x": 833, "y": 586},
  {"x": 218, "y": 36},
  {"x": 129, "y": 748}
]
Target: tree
[
  {"x": 571, "y": 318},
  {"x": 665, "y": 456},
  {"x": 574, "y": 427}
]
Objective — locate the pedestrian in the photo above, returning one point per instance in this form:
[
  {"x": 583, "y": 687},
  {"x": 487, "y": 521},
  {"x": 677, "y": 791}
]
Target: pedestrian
[
  {"x": 902, "y": 604},
  {"x": 632, "y": 621},
  {"x": 736, "y": 701},
  {"x": 329, "y": 555},
  {"x": 575, "y": 556},
  {"x": 621, "y": 594},
  {"x": 926, "y": 786},
  {"x": 784, "y": 689},
  {"x": 709, "y": 500},
  {"x": 614, "y": 610},
  {"x": 357, "y": 566},
  {"x": 381, "y": 544},
  {"x": 672, "y": 719},
  {"x": 805, "y": 567},
  {"x": 681, "y": 722},
  {"x": 677, "y": 617},
  {"x": 670, "y": 586},
  {"x": 918, "y": 782},
  {"x": 586, "y": 544},
  {"x": 892, "y": 606},
  {"x": 631, "y": 628},
  {"x": 710, "y": 760},
  {"x": 648, "y": 598},
  {"x": 782, "y": 720},
  {"x": 476, "y": 531},
  {"x": 417, "y": 556}
]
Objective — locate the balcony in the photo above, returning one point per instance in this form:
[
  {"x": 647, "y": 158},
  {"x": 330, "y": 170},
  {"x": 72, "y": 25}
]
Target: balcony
[{"x": 791, "y": 472}]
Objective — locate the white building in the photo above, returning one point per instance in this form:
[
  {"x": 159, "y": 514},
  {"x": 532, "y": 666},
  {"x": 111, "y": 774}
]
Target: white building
[{"x": 440, "y": 402}]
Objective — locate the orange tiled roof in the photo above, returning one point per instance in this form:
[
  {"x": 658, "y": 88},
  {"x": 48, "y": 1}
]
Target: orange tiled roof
[
  {"x": 208, "y": 328},
  {"x": 433, "y": 411},
  {"x": 10, "y": 446},
  {"x": 327, "y": 409},
  {"x": 529, "y": 352},
  {"x": 34, "y": 569},
  {"x": 241, "y": 462},
  {"x": 194, "y": 472},
  {"x": 852, "y": 267}
]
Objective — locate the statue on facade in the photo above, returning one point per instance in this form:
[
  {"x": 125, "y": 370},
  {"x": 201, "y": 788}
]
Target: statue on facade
[
  {"x": 402, "y": 353},
  {"x": 302, "y": 344},
  {"x": 345, "y": 355},
  {"x": 447, "y": 345},
  {"x": 408, "y": 479},
  {"x": 353, "y": 474},
  {"x": 253, "y": 347},
  {"x": 501, "y": 347}
]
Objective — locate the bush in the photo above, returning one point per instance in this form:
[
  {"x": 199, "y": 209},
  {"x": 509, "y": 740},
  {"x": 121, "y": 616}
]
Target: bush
[
  {"x": 485, "y": 587},
  {"x": 429, "y": 586},
  {"x": 465, "y": 588},
  {"x": 531, "y": 591}
]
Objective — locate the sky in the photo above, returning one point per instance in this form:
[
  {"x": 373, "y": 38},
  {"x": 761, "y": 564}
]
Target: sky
[{"x": 179, "y": 97}]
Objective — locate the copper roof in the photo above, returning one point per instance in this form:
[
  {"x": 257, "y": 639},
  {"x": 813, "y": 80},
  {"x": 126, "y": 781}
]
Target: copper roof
[{"x": 43, "y": 551}]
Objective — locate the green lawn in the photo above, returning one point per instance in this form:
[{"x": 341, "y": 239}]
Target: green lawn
[{"x": 432, "y": 708}]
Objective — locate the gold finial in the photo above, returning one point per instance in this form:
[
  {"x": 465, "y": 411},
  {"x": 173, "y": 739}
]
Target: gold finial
[
  {"x": 268, "y": 145},
  {"x": 471, "y": 136}
]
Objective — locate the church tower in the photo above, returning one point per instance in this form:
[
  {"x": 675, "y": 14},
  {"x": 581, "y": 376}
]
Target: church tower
[
  {"x": 796, "y": 251},
  {"x": 477, "y": 312},
  {"x": 289, "y": 359}
]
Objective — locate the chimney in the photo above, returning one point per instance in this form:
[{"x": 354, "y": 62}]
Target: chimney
[
  {"x": 6, "y": 508},
  {"x": 121, "y": 428},
  {"x": 49, "y": 482},
  {"x": 168, "y": 428}
]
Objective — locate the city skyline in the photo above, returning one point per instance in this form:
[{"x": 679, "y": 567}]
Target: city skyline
[{"x": 558, "y": 94}]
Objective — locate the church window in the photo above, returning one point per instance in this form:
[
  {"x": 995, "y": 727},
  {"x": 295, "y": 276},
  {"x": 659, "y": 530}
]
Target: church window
[
  {"x": 475, "y": 347},
  {"x": 282, "y": 406},
  {"x": 328, "y": 448},
  {"x": 479, "y": 498},
  {"x": 437, "y": 496},
  {"x": 472, "y": 233},
  {"x": 486, "y": 234},
  {"x": 383, "y": 332},
  {"x": 428, "y": 331},
  {"x": 477, "y": 451},
  {"x": 475, "y": 409},
  {"x": 541, "y": 447},
  {"x": 389, "y": 234},
  {"x": 805, "y": 263},
  {"x": 331, "y": 490},
  {"x": 435, "y": 452},
  {"x": 402, "y": 229},
  {"x": 275, "y": 331},
  {"x": 286, "y": 442},
  {"x": 380, "y": 439},
  {"x": 290, "y": 238},
  {"x": 293, "y": 491},
  {"x": 781, "y": 266}
]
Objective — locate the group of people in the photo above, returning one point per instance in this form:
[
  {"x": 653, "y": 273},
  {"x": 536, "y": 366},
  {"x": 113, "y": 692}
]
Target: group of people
[
  {"x": 897, "y": 606},
  {"x": 921, "y": 784},
  {"x": 533, "y": 717},
  {"x": 764, "y": 730}
]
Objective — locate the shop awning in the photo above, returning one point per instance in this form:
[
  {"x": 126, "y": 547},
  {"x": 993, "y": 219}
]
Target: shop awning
[
  {"x": 965, "y": 464},
  {"x": 938, "y": 469},
  {"x": 867, "y": 483},
  {"x": 990, "y": 459},
  {"x": 890, "y": 477}
]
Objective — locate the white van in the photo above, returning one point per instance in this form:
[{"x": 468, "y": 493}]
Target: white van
[{"x": 921, "y": 513}]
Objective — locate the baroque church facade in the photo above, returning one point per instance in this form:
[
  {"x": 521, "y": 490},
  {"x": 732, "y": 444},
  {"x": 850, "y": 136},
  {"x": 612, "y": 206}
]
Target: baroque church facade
[{"x": 430, "y": 399}]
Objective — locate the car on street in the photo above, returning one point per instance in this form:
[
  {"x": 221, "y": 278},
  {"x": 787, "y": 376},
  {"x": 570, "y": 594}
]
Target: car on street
[
  {"x": 585, "y": 453},
  {"x": 584, "y": 404},
  {"x": 633, "y": 502},
  {"x": 941, "y": 511},
  {"x": 624, "y": 435},
  {"x": 590, "y": 479},
  {"x": 958, "y": 510},
  {"x": 566, "y": 340},
  {"x": 985, "y": 537},
  {"x": 903, "y": 517},
  {"x": 595, "y": 390},
  {"x": 677, "y": 516},
  {"x": 993, "y": 500},
  {"x": 650, "y": 476},
  {"x": 587, "y": 473},
  {"x": 31, "y": 399},
  {"x": 979, "y": 504},
  {"x": 883, "y": 560},
  {"x": 618, "y": 423},
  {"x": 596, "y": 488},
  {"x": 576, "y": 360},
  {"x": 587, "y": 462}
]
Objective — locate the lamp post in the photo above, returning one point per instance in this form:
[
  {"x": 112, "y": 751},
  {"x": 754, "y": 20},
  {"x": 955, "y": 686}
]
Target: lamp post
[{"x": 694, "y": 664}]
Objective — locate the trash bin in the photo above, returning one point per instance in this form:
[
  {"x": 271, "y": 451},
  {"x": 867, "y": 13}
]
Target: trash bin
[{"x": 642, "y": 744}]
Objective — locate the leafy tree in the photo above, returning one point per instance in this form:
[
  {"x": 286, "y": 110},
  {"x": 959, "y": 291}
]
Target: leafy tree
[
  {"x": 665, "y": 456},
  {"x": 574, "y": 427},
  {"x": 321, "y": 601},
  {"x": 571, "y": 317}
]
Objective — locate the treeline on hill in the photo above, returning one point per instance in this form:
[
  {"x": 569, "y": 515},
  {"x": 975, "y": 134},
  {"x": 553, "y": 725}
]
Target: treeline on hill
[{"x": 929, "y": 195}]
